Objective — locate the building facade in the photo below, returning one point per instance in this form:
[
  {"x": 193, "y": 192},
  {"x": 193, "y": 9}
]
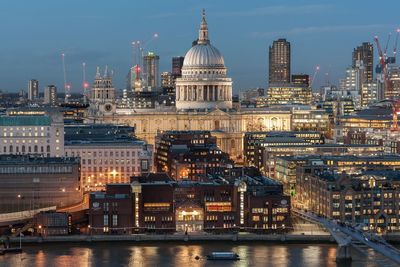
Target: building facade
[
  {"x": 204, "y": 84},
  {"x": 32, "y": 134},
  {"x": 28, "y": 182},
  {"x": 50, "y": 95},
  {"x": 33, "y": 90},
  {"x": 248, "y": 203},
  {"x": 108, "y": 154},
  {"x": 365, "y": 53},
  {"x": 190, "y": 155},
  {"x": 370, "y": 199},
  {"x": 279, "y": 62},
  {"x": 151, "y": 70}
]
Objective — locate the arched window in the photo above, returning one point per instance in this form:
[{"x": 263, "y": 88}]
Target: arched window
[
  {"x": 41, "y": 149},
  {"x": 48, "y": 148},
  {"x": 11, "y": 149},
  {"x": 35, "y": 149},
  {"x": 23, "y": 148}
]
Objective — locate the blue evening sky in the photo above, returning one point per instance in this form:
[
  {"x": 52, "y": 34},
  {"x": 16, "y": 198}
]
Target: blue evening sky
[{"x": 33, "y": 34}]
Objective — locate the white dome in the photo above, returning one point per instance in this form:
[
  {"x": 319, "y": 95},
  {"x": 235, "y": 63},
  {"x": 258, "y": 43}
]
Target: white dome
[{"x": 203, "y": 56}]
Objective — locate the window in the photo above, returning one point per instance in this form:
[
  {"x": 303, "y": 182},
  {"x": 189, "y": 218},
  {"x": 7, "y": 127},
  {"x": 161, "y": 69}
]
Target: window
[
  {"x": 105, "y": 220},
  {"x": 115, "y": 220}
]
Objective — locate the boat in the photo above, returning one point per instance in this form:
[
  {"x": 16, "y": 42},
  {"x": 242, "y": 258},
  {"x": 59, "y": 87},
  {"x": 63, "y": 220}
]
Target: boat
[{"x": 223, "y": 256}]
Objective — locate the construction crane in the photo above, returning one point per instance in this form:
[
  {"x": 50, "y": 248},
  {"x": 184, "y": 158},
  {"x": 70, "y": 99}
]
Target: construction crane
[
  {"x": 315, "y": 75},
  {"x": 85, "y": 84},
  {"x": 395, "y": 45},
  {"x": 383, "y": 62},
  {"x": 67, "y": 86}
]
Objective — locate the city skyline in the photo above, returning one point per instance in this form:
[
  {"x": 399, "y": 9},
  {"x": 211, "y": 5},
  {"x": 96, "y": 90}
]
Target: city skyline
[{"x": 87, "y": 33}]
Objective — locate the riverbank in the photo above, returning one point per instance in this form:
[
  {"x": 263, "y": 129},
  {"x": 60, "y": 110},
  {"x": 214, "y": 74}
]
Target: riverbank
[{"x": 276, "y": 238}]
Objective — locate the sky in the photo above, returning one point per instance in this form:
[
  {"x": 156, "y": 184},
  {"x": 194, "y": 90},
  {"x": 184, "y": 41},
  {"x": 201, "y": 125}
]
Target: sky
[{"x": 34, "y": 34}]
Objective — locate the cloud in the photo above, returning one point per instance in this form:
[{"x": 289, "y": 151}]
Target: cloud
[
  {"x": 278, "y": 10},
  {"x": 321, "y": 29}
]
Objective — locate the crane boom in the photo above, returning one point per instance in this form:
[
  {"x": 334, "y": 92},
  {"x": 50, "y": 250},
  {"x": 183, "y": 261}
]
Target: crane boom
[{"x": 395, "y": 44}]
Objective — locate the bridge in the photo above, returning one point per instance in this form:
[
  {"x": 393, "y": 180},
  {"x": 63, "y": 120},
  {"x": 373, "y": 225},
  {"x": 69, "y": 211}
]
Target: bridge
[{"x": 349, "y": 237}]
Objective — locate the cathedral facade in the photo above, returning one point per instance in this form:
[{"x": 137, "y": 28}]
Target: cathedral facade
[{"x": 204, "y": 102}]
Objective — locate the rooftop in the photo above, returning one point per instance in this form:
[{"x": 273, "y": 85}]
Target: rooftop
[
  {"x": 29, "y": 159},
  {"x": 25, "y": 120}
]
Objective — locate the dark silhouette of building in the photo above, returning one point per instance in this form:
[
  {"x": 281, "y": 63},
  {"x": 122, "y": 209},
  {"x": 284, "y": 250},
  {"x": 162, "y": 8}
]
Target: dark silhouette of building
[
  {"x": 364, "y": 52},
  {"x": 177, "y": 63}
]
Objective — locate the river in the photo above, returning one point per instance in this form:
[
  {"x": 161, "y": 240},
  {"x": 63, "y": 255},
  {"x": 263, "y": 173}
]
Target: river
[{"x": 115, "y": 254}]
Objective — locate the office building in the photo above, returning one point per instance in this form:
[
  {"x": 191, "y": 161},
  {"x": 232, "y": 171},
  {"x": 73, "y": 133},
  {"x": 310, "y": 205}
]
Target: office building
[
  {"x": 50, "y": 95},
  {"x": 279, "y": 62},
  {"x": 159, "y": 204},
  {"x": 177, "y": 64},
  {"x": 108, "y": 153},
  {"x": 190, "y": 155},
  {"x": 151, "y": 70},
  {"x": 167, "y": 80},
  {"x": 33, "y": 90},
  {"x": 32, "y": 134},
  {"x": 289, "y": 95},
  {"x": 369, "y": 199},
  {"x": 364, "y": 53},
  {"x": 28, "y": 182},
  {"x": 301, "y": 80}
]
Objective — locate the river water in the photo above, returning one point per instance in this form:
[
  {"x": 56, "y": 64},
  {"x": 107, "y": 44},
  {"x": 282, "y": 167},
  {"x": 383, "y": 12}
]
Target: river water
[{"x": 115, "y": 254}]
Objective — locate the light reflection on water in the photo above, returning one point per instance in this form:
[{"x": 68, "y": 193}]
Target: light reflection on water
[{"x": 174, "y": 254}]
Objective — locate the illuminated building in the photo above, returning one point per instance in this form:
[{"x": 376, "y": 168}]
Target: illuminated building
[
  {"x": 33, "y": 90},
  {"x": 369, "y": 199},
  {"x": 251, "y": 138},
  {"x": 375, "y": 118},
  {"x": 225, "y": 121},
  {"x": 158, "y": 204},
  {"x": 279, "y": 62},
  {"x": 394, "y": 79},
  {"x": 301, "y": 80},
  {"x": 50, "y": 95},
  {"x": 190, "y": 155},
  {"x": 289, "y": 95},
  {"x": 151, "y": 71},
  {"x": 365, "y": 53},
  {"x": 108, "y": 153},
  {"x": 26, "y": 132},
  {"x": 167, "y": 79},
  {"x": 30, "y": 182},
  {"x": 204, "y": 83}
]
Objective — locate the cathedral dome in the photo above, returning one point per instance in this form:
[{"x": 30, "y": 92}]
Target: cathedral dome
[{"x": 203, "y": 56}]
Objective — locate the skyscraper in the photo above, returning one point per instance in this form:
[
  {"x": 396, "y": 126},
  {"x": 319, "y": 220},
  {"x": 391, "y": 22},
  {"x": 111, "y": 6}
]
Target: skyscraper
[
  {"x": 177, "y": 63},
  {"x": 50, "y": 95},
  {"x": 279, "y": 62},
  {"x": 33, "y": 89},
  {"x": 364, "y": 52},
  {"x": 151, "y": 70}
]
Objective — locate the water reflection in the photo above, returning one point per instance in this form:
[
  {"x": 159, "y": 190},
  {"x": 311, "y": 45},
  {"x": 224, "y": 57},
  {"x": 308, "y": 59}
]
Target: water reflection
[{"x": 175, "y": 254}]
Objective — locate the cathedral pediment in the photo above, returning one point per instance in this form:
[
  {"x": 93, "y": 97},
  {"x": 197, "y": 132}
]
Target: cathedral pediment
[{"x": 218, "y": 112}]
